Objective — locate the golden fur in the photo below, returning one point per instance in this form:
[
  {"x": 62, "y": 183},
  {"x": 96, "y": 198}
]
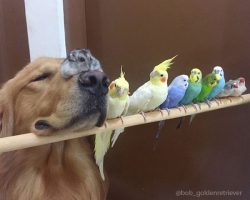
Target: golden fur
[{"x": 63, "y": 170}]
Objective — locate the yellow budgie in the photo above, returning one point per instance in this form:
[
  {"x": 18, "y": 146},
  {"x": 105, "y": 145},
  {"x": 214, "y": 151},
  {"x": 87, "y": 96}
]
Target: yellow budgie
[
  {"x": 118, "y": 100},
  {"x": 153, "y": 93}
]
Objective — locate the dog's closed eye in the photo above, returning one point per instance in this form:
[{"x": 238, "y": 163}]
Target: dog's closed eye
[{"x": 41, "y": 77}]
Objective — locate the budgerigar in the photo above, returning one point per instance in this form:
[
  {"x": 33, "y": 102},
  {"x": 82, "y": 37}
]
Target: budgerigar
[
  {"x": 220, "y": 85},
  {"x": 193, "y": 90},
  {"x": 208, "y": 83},
  {"x": 194, "y": 87},
  {"x": 176, "y": 92},
  {"x": 153, "y": 93},
  {"x": 118, "y": 100}
]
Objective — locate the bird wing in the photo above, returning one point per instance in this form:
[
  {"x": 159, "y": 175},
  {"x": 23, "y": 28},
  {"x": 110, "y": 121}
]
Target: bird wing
[
  {"x": 126, "y": 107},
  {"x": 175, "y": 95},
  {"x": 118, "y": 131},
  {"x": 140, "y": 98}
]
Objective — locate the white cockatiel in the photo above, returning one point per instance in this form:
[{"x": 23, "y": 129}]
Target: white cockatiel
[
  {"x": 118, "y": 101},
  {"x": 153, "y": 93}
]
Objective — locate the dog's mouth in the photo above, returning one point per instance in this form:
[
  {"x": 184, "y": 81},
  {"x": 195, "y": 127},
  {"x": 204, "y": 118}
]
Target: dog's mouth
[
  {"x": 46, "y": 127},
  {"x": 85, "y": 111}
]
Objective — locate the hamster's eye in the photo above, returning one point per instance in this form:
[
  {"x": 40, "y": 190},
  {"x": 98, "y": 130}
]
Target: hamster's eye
[{"x": 81, "y": 59}]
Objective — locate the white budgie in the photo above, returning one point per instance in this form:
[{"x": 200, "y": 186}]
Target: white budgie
[{"x": 117, "y": 106}]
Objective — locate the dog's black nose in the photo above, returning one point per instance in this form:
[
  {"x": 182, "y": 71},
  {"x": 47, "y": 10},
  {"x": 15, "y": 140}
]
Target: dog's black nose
[{"x": 95, "y": 81}]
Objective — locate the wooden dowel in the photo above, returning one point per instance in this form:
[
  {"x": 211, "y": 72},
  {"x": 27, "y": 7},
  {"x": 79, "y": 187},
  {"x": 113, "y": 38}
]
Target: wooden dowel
[{"x": 30, "y": 140}]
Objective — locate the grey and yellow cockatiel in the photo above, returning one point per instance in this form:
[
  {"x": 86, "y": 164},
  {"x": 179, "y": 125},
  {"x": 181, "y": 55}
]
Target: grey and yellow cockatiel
[{"x": 118, "y": 101}]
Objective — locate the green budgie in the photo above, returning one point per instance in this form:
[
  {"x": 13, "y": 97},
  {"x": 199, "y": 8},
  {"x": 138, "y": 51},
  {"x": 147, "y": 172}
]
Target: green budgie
[{"x": 208, "y": 83}]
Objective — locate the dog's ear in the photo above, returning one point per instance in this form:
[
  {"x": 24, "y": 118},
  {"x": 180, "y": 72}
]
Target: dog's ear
[{"x": 6, "y": 120}]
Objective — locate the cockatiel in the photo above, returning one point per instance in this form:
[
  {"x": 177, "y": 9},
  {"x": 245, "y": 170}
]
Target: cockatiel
[
  {"x": 193, "y": 90},
  {"x": 176, "y": 92},
  {"x": 229, "y": 88},
  {"x": 220, "y": 85},
  {"x": 118, "y": 101},
  {"x": 208, "y": 83},
  {"x": 153, "y": 93}
]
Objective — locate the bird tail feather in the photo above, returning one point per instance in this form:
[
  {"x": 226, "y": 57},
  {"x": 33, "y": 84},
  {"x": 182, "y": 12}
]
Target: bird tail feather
[
  {"x": 160, "y": 127},
  {"x": 102, "y": 143},
  {"x": 116, "y": 135},
  {"x": 180, "y": 123},
  {"x": 191, "y": 119}
]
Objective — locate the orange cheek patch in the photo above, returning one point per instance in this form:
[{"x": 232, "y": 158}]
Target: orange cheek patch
[
  {"x": 163, "y": 79},
  {"x": 111, "y": 86}
]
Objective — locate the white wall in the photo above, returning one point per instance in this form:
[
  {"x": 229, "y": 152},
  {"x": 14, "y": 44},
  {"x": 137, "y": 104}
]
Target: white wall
[{"x": 45, "y": 24}]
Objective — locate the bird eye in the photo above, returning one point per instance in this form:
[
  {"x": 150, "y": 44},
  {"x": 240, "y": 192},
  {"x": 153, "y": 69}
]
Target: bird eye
[
  {"x": 115, "y": 85},
  {"x": 81, "y": 59},
  {"x": 161, "y": 75},
  {"x": 41, "y": 77}
]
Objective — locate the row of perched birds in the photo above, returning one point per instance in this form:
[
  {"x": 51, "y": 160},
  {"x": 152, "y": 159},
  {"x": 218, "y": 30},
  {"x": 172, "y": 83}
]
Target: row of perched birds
[{"x": 156, "y": 94}]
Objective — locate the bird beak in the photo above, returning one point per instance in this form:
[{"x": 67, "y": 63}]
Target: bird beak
[
  {"x": 194, "y": 78},
  {"x": 218, "y": 77},
  {"x": 236, "y": 85},
  {"x": 120, "y": 92}
]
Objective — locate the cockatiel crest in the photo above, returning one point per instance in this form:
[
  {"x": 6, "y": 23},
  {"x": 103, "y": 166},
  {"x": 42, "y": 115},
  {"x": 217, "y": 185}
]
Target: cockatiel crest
[
  {"x": 160, "y": 75},
  {"x": 119, "y": 88},
  {"x": 165, "y": 65}
]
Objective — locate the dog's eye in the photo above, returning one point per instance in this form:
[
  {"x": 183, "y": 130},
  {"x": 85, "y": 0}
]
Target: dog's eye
[{"x": 41, "y": 77}]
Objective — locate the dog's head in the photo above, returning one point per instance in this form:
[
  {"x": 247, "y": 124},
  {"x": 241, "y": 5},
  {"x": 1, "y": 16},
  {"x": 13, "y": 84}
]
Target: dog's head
[{"x": 40, "y": 99}]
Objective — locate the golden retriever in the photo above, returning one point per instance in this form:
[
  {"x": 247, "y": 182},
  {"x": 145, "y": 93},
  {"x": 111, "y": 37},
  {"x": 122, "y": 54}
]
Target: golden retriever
[{"x": 40, "y": 100}]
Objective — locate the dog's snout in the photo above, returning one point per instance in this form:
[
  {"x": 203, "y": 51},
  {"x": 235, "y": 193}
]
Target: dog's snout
[{"x": 94, "y": 81}]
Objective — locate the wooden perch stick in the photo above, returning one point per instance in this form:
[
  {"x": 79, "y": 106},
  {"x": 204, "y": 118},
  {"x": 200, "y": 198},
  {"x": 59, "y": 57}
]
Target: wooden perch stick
[{"x": 31, "y": 140}]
